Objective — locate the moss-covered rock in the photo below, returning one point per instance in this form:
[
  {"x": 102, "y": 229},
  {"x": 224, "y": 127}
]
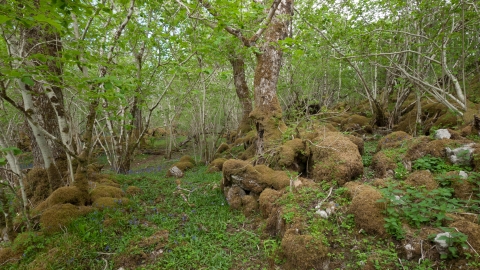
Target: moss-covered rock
[
  {"x": 111, "y": 203},
  {"x": 393, "y": 140},
  {"x": 334, "y": 158},
  {"x": 303, "y": 251},
  {"x": 216, "y": 165},
  {"x": 100, "y": 191},
  {"x": 54, "y": 218},
  {"x": 422, "y": 178},
  {"x": 367, "y": 210},
  {"x": 63, "y": 195}
]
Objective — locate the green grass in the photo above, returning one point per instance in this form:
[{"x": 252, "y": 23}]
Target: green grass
[{"x": 203, "y": 233}]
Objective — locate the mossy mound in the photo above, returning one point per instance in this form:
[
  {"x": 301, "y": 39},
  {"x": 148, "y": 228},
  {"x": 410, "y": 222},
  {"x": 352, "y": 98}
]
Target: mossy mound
[
  {"x": 252, "y": 178},
  {"x": 187, "y": 159},
  {"x": 222, "y": 148},
  {"x": 36, "y": 185},
  {"x": 234, "y": 196},
  {"x": 60, "y": 215},
  {"x": 303, "y": 251},
  {"x": 315, "y": 130},
  {"x": 216, "y": 165},
  {"x": 422, "y": 178},
  {"x": 250, "y": 205},
  {"x": 108, "y": 182},
  {"x": 334, "y": 158},
  {"x": 101, "y": 191},
  {"x": 133, "y": 190},
  {"x": 393, "y": 140},
  {"x": 242, "y": 174},
  {"x": 267, "y": 201},
  {"x": 462, "y": 188},
  {"x": 110, "y": 203},
  {"x": 292, "y": 155},
  {"x": 275, "y": 179},
  {"x": 9, "y": 255},
  {"x": 367, "y": 210},
  {"x": 178, "y": 169},
  {"x": 358, "y": 142},
  {"x": 472, "y": 231},
  {"x": 357, "y": 123},
  {"x": 63, "y": 195},
  {"x": 434, "y": 148}
]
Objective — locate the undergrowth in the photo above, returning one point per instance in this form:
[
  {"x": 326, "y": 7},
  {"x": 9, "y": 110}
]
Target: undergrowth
[{"x": 167, "y": 226}]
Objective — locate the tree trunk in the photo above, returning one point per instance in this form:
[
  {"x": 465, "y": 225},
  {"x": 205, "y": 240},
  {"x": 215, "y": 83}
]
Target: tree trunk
[
  {"x": 267, "y": 114},
  {"x": 243, "y": 93},
  {"x": 45, "y": 40}
]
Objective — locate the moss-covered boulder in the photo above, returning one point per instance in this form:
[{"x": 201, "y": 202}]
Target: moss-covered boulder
[
  {"x": 422, "y": 178},
  {"x": 303, "y": 251},
  {"x": 393, "y": 140},
  {"x": 292, "y": 155},
  {"x": 252, "y": 178},
  {"x": 334, "y": 158},
  {"x": 54, "y": 218},
  {"x": 110, "y": 203},
  {"x": 63, "y": 195},
  {"x": 100, "y": 191},
  {"x": 216, "y": 165},
  {"x": 367, "y": 211}
]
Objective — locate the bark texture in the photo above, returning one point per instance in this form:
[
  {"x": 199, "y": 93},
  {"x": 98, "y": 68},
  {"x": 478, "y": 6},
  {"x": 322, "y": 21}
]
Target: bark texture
[
  {"x": 243, "y": 93},
  {"x": 267, "y": 114}
]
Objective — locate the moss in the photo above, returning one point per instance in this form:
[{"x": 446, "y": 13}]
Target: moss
[
  {"x": 358, "y": 142},
  {"x": 241, "y": 173},
  {"x": 383, "y": 165},
  {"x": 60, "y": 215},
  {"x": 216, "y": 165},
  {"x": 292, "y": 155},
  {"x": 111, "y": 203},
  {"x": 357, "y": 123},
  {"x": 36, "y": 185},
  {"x": 334, "y": 158},
  {"x": 222, "y": 148},
  {"x": 303, "y": 251},
  {"x": 187, "y": 159},
  {"x": 105, "y": 191},
  {"x": 234, "y": 196},
  {"x": 133, "y": 190},
  {"x": 393, "y": 140},
  {"x": 158, "y": 240},
  {"x": 182, "y": 166},
  {"x": 462, "y": 188},
  {"x": 108, "y": 182},
  {"x": 248, "y": 153},
  {"x": 7, "y": 255},
  {"x": 63, "y": 195},
  {"x": 250, "y": 205},
  {"x": 472, "y": 231},
  {"x": 275, "y": 179},
  {"x": 422, "y": 178},
  {"x": 267, "y": 201},
  {"x": 367, "y": 211}
]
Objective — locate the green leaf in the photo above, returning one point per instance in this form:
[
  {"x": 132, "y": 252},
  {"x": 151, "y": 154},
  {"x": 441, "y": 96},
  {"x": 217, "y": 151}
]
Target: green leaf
[
  {"x": 3, "y": 161},
  {"x": 28, "y": 80},
  {"x": 43, "y": 18},
  {"x": 4, "y": 19},
  {"x": 14, "y": 149}
]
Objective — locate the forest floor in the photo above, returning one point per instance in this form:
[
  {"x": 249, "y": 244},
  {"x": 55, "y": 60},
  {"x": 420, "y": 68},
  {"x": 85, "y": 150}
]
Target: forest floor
[{"x": 187, "y": 223}]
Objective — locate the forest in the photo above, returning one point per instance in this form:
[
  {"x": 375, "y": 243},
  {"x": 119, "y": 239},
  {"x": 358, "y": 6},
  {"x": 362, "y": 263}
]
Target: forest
[{"x": 240, "y": 134}]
